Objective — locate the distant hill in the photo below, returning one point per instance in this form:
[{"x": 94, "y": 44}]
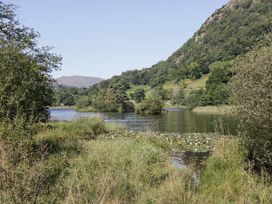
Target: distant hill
[{"x": 78, "y": 81}]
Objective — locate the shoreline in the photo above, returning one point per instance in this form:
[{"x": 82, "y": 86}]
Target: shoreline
[
  {"x": 222, "y": 109},
  {"x": 62, "y": 107}
]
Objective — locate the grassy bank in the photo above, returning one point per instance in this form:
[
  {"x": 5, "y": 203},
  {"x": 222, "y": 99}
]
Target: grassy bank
[
  {"x": 86, "y": 109},
  {"x": 222, "y": 109},
  {"x": 89, "y": 161}
]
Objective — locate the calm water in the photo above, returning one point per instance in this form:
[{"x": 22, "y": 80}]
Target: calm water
[
  {"x": 175, "y": 120},
  {"x": 194, "y": 160}
]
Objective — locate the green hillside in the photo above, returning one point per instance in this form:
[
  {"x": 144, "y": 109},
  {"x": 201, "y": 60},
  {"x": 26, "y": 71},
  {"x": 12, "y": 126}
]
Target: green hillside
[{"x": 230, "y": 32}]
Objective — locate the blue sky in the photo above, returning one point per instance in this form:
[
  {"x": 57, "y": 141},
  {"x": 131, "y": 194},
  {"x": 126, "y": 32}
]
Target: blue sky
[{"x": 106, "y": 37}]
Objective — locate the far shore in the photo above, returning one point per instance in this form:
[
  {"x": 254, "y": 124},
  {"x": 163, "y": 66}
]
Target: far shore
[
  {"x": 62, "y": 107},
  {"x": 222, "y": 109}
]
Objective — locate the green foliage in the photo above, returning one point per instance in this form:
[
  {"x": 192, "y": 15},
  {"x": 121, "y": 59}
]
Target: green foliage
[
  {"x": 220, "y": 73},
  {"x": 112, "y": 100},
  {"x": 231, "y": 31},
  {"x": 151, "y": 105},
  {"x": 217, "y": 85},
  {"x": 119, "y": 83},
  {"x": 177, "y": 95},
  {"x": 70, "y": 96},
  {"x": 193, "y": 70},
  {"x": 26, "y": 89},
  {"x": 67, "y": 99},
  {"x": 110, "y": 162},
  {"x": 251, "y": 91},
  {"x": 217, "y": 90},
  {"x": 160, "y": 92},
  {"x": 194, "y": 98},
  {"x": 88, "y": 161},
  {"x": 225, "y": 179},
  {"x": 12, "y": 32},
  {"x": 83, "y": 102},
  {"x": 33, "y": 170},
  {"x": 138, "y": 95}
]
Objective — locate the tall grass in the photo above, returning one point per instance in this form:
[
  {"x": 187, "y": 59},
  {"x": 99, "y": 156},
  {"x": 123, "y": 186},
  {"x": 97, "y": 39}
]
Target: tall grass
[
  {"x": 227, "y": 178},
  {"x": 89, "y": 162}
]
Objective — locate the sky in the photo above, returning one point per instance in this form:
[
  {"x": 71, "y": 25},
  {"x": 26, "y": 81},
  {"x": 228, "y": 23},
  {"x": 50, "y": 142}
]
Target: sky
[{"x": 103, "y": 38}]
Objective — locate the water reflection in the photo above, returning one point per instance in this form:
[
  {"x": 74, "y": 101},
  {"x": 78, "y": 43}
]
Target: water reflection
[
  {"x": 174, "y": 120},
  {"x": 182, "y": 121},
  {"x": 194, "y": 160}
]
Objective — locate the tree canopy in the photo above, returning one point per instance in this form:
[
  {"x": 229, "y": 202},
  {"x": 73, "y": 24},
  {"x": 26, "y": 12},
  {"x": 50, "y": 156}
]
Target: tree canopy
[{"x": 26, "y": 89}]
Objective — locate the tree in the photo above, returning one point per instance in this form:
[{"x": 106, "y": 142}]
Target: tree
[
  {"x": 139, "y": 95},
  {"x": 67, "y": 99},
  {"x": 160, "y": 92},
  {"x": 151, "y": 105},
  {"x": 26, "y": 89},
  {"x": 112, "y": 100},
  {"x": 195, "y": 97},
  {"x": 178, "y": 95},
  {"x": 217, "y": 85},
  {"x": 12, "y": 32},
  {"x": 252, "y": 95},
  {"x": 122, "y": 100},
  {"x": 83, "y": 102},
  {"x": 193, "y": 70}
]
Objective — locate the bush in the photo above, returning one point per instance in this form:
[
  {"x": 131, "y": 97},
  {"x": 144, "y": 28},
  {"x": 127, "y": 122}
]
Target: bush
[
  {"x": 29, "y": 174},
  {"x": 151, "y": 105},
  {"x": 252, "y": 95},
  {"x": 113, "y": 100}
]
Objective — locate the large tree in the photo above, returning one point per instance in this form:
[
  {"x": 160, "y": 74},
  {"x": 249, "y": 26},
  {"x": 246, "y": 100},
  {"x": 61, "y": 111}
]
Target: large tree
[{"x": 26, "y": 89}]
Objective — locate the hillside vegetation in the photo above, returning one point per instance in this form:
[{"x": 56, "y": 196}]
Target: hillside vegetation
[{"x": 210, "y": 54}]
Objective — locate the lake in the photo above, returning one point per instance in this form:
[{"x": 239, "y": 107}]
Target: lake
[{"x": 176, "y": 120}]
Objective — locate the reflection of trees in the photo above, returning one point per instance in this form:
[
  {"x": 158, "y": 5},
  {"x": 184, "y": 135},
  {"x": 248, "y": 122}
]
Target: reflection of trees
[
  {"x": 188, "y": 121},
  {"x": 175, "y": 121}
]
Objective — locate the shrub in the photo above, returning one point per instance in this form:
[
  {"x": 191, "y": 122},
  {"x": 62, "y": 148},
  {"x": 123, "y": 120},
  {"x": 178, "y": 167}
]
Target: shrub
[
  {"x": 151, "y": 105},
  {"x": 252, "y": 95}
]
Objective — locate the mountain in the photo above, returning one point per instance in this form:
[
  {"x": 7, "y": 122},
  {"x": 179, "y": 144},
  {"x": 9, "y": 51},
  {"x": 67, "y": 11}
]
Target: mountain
[
  {"x": 78, "y": 81},
  {"x": 207, "y": 58},
  {"x": 231, "y": 31}
]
